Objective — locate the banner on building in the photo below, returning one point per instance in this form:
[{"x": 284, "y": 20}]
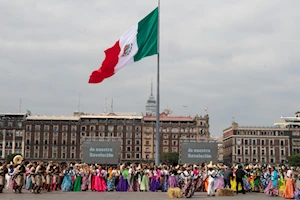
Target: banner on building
[
  {"x": 198, "y": 152},
  {"x": 101, "y": 152}
]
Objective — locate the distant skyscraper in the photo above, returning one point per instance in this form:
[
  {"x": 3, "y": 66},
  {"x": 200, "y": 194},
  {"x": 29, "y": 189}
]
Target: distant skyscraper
[{"x": 151, "y": 103}]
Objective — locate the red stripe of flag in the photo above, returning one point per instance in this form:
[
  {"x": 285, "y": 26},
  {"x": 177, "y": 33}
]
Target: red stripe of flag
[{"x": 107, "y": 68}]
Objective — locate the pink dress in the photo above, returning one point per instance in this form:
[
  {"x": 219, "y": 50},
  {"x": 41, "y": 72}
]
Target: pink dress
[{"x": 100, "y": 185}]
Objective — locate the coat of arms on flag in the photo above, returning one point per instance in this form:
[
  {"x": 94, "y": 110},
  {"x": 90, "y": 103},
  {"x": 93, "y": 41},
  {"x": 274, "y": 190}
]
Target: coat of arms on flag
[{"x": 127, "y": 50}]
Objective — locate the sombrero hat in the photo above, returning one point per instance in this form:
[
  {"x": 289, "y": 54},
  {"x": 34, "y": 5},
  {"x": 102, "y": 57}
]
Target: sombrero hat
[{"x": 210, "y": 165}]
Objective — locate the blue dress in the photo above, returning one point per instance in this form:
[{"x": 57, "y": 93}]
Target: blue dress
[{"x": 66, "y": 185}]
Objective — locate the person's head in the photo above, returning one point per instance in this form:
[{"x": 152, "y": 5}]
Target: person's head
[
  {"x": 23, "y": 162},
  {"x": 240, "y": 167},
  {"x": 4, "y": 164}
]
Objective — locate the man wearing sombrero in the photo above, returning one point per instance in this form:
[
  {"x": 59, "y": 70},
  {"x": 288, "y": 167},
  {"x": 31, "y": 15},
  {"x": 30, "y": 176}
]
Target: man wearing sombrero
[{"x": 19, "y": 176}]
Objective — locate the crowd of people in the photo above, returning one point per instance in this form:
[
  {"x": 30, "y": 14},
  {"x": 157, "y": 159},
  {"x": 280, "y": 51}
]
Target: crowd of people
[{"x": 38, "y": 177}]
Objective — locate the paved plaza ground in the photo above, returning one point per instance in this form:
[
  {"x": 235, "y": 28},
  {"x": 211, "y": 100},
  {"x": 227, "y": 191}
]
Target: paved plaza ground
[{"x": 8, "y": 195}]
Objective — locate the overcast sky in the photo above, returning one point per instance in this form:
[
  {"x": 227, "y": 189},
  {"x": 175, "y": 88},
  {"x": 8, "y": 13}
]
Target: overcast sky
[{"x": 236, "y": 57}]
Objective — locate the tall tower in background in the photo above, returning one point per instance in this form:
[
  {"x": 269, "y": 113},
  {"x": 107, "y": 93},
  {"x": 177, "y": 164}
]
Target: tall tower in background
[{"x": 151, "y": 103}]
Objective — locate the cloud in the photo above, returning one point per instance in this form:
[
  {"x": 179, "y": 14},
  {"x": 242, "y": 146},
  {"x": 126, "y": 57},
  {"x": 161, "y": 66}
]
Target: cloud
[{"x": 235, "y": 57}]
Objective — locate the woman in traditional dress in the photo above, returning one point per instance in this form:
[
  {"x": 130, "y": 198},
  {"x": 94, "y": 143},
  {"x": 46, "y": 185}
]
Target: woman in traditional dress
[
  {"x": 154, "y": 185},
  {"x": 219, "y": 180},
  {"x": 100, "y": 185},
  {"x": 165, "y": 177},
  {"x": 131, "y": 172},
  {"x": 272, "y": 188},
  {"x": 297, "y": 191},
  {"x": 93, "y": 177},
  {"x": 77, "y": 182},
  {"x": 28, "y": 177},
  {"x": 123, "y": 183},
  {"x": 137, "y": 178},
  {"x": 145, "y": 179},
  {"x": 246, "y": 181},
  {"x": 188, "y": 186},
  {"x": 66, "y": 185},
  {"x": 211, "y": 179},
  {"x": 111, "y": 179},
  {"x": 289, "y": 185},
  {"x": 265, "y": 178},
  {"x": 281, "y": 180},
  {"x": 85, "y": 178},
  {"x": 172, "y": 182},
  {"x": 117, "y": 176}
]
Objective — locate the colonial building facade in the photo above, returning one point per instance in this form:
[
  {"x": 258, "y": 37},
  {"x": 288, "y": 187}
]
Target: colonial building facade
[
  {"x": 172, "y": 130},
  {"x": 256, "y": 144},
  {"x": 60, "y": 138},
  {"x": 12, "y": 128}
]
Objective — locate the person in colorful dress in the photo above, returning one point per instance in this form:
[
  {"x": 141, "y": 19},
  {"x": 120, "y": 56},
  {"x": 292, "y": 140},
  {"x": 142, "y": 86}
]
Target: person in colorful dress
[
  {"x": 289, "y": 185},
  {"x": 172, "y": 182},
  {"x": 188, "y": 187},
  {"x": 297, "y": 190},
  {"x": 145, "y": 179},
  {"x": 154, "y": 185},
  {"x": 66, "y": 185},
  {"x": 78, "y": 179},
  {"x": 111, "y": 179},
  {"x": 123, "y": 183},
  {"x": 100, "y": 185},
  {"x": 137, "y": 178},
  {"x": 272, "y": 188},
  {"x": 85, "y": 178},
  {"x": 219, "y": 180}
]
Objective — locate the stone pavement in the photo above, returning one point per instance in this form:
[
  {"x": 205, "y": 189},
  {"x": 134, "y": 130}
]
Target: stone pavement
[{"x": 58, "y": 195}]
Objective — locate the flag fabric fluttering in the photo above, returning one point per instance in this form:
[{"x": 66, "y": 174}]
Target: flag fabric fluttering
[{"x": 138, "y": 42}]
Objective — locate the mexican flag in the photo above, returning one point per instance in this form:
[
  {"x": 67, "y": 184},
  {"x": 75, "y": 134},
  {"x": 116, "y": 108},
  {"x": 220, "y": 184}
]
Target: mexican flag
[{"x": 138, "y": 42}]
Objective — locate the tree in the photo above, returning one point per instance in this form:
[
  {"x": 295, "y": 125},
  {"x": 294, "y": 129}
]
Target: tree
[
  {"x": 170, "y": 157},
  {"x": 294, "y": 160},
  {"x": 10, "y": 157}
]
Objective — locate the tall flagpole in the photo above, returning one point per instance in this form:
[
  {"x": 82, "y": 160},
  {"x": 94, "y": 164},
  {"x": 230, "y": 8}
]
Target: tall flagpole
[{"x": 157, "y": 141}]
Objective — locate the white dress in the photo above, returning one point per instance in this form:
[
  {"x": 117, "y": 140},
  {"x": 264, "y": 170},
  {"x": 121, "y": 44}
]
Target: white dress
[{"x": 211, "y": 179}]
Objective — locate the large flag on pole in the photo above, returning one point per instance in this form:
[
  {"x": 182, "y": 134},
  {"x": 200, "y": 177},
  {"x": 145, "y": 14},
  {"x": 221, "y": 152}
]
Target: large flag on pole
[{"x": 138, "y": 42}]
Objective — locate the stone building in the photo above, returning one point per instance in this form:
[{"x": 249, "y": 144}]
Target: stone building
[
  {"x": 242, "y": 144},
  {"x": 12, "y": 126},
  {"x": 172, "y": 130}
]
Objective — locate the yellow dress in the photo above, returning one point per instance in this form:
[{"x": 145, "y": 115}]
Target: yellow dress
[{"x": 233, "y": 185}]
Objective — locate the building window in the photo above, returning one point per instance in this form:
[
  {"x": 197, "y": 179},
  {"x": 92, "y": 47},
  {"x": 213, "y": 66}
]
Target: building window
[
  {"x": 254, "y": 152},
  {"x": 282, "y": 152},
  {"x": 55, "y": 128},
  {"x": 73, "y": 142},
  {"x": 137, "y": 156},
  {"x": 281, "y": 143},
  {"x": 128, "y": 148},
  {"x": 262, "y": 152},
  {"x": 246, "y": 142},
  {"x": 128, "y": 155},
  {"x": 272, "y": 160},
  {"x": 137, "y": 148},
  {"x": 165, "y": 149},
  {"x": 72, "y": 155},
  {"x": 239, "y": 152},
  {"x": 239, "y": 160},
  {"x": 83, "y": 128},
  {"x": 54, "y": 155},
  {"x": 54, "y": 142},
  {"x": 128, "y": 142},
  {"x": 27, "y": 142},
  {"x": 262, "y": 160},
  {"x": 64, "y": 142},
  {"x": 137, "y": 142},
  {"x": 36, "y": 155},
  {"x": 271, "y": 142},
  {"x": 36, "y": 142},
  {"x": 254, "y": 142},
  {"x": 246, "y": 151},
  {"x": 271, "y": 152},
  {"x": 262, "y": 142}
]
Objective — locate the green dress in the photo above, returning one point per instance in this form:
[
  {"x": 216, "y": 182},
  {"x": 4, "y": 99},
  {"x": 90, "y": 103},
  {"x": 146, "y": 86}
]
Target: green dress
[{"x": 77, "y": 182}]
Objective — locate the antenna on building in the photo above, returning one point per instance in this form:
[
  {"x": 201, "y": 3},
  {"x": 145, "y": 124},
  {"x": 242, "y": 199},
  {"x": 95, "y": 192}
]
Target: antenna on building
[
  {"x": 20, "y": 105},
  {"x": 112, "y": 105},
  {"x": 79, "y": 96},
  {"x": 105, "y": 106}
]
